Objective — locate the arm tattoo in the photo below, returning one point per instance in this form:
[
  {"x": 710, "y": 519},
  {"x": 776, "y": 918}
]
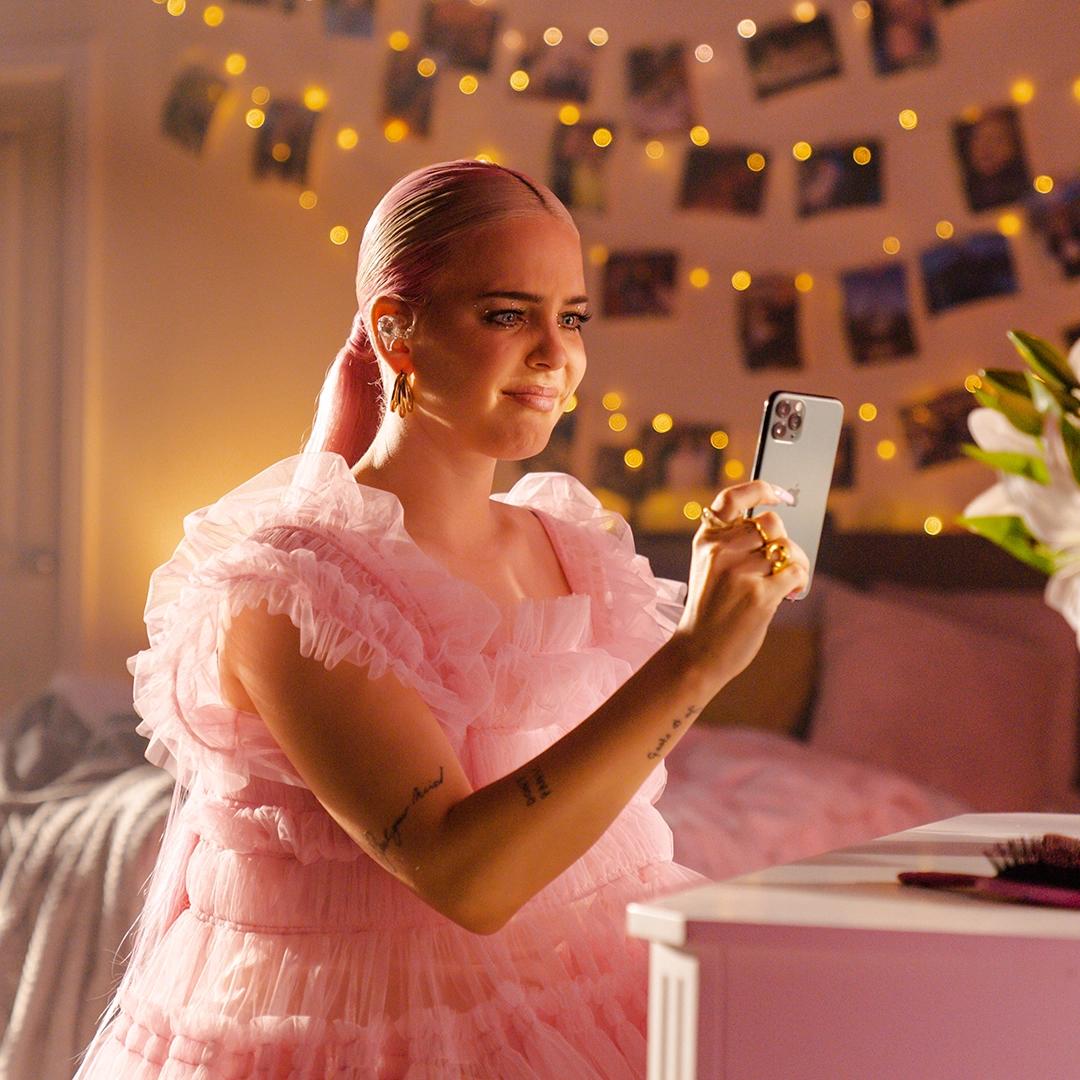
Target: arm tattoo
[
  {"x": 533, "y": 777},
  {"x": 393, "y": 832},
  {"x": 677, "y": 723}
]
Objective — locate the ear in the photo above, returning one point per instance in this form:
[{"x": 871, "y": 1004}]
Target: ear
[{"x": 392, "y": 347}]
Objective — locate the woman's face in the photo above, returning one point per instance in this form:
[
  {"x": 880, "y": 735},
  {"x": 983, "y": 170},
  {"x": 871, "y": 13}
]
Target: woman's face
[{"x": 498, "y": 350}]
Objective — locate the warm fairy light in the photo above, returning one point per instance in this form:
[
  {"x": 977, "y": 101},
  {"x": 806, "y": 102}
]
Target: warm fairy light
[
  {"x": 1022, "y": 91},
  {"x": 598, "y": 36},
  {"x": 552, "y": 35},
  {"x": 972, "y": 383},
  {"x": 755, "y": 162},
  {"x": 804, "y": 282},
  {"x": 176, "y": 7},
  {"x": 260, "y": 95},
  {"x": 235, "y": 63},
  {"x": 703, "y": 53},
  {"x": 867, "y": 411},
  {"x": 861, "y": 9},
  {"x": 801, "y": 151},
  {"x": 611, "y": 401},
  {"x": 315, "y": 98},
  {"x": 699, "y": 277},
  {"x": 804, "y": 11},
  {"x": 513, "y": 40},
  {"x": 519, "y": 80},
  {"x": 347, "y": 138},
  {"x": 398, "y": 41},
  {"x": 734, "y": 469},
  {"x": 634, "y": 458},
  {"x": 886, "y": 449},
  {"x": 862, "y": 155},
  {"x": 571, "y": 403},
  {"x": 308, "y": 200},
  {"x": 569, "y": 115},
  {"x": 654, "y": 149},
  {"x": 719, "y": 440},
  {"x": 339, "y": 235},
  {"x": 598, "y": 254},
  {"x": 890, "y": 245},
  {"x": 691, "y": 510},
  {"x": 617, "y": 421},
  {"x": 1044, "y": 184},
  {"x": 662, "y": 422},
  {"x": 1009, "y": 224},
  {"x": 602, "y": 137},
  {"x": 395, "y": 130},
  {"x": 426, "y": 67},
  {"x": 255, "y": 118},
  {"x": 490, "y": 155},
  {"x": 747, "y": 28},
  {"x": 468, "y": 84},
  {"x": 699, "y": 135},
  {"x": 1076, "y": 89},
  {"x": 213, "y": 15},
  {"x": 944, "y": 229},
  {"x": 740, "y": 280},
  {"x": 281, "y": 151},
  {"x": 932, "y": 525},
  {"x": 909, "y": 119}
]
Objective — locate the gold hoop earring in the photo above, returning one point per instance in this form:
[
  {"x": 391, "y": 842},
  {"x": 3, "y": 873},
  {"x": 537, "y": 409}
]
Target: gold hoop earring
[{"x": 401, "y": 400}]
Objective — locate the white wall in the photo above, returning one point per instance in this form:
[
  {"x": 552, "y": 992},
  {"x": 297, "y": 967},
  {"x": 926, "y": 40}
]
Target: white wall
[{"x": 214, "y": 303}]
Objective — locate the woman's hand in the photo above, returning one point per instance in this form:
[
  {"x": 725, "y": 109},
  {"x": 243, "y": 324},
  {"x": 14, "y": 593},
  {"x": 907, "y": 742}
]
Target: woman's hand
[{"x": 736, "y": 580}]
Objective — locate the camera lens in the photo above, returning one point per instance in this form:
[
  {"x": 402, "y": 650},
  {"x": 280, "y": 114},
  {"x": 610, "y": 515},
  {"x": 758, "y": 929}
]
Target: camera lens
[
  {"x": 783, "y": 408},
  {"x": 800, "y": 407},
  {"x": 794, "y": 421},
  {"x": 778, "y": 431}
]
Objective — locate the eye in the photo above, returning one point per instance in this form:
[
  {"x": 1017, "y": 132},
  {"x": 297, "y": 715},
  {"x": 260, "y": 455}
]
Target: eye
[
  {"x": 580, "y": 318},
  {"x": 499, "y": 318}
]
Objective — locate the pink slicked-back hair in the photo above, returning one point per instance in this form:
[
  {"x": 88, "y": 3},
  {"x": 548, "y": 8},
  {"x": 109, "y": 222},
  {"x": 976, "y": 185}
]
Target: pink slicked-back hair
[{"x": 411, "y": 234}]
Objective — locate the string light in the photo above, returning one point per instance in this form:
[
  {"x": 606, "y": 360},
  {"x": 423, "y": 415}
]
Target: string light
[
  {"x": 1009, "y": 224},
  {"x": 426, "y": 67},
  {"x": 1076, "y": 89},
  {"x": 213, "y": 15},
  {"x": 719, "y": 440},
  {"x": 281, "y": 151},
  {"x": 571, "y": 404},
  {"x": 569, "y": 115},
  {"x": 598, "y": 36},
  {"x": 804, "y": 282},
  {"x": 617, "y": 421},
  {"x": 861, "y": 9},
  {"x": 260, "y": 95},
  {"x": 755, "y": 162},
  {"x": 235, "y": 63},
  {"x": 932, "y": 525},
  {"x": 699, "y": 135},
  {"x": 490, "y": 156},
  {"x": 868, "y": 411},
  {"x": 398, "y": 41},
  {"x": 552, "y": 35},
  {"x": 255, "y": 118},
  {"x": 519, "y": 80},
  {"x": 909, "y": 119},
  {"x": 315, "y": 98},
  {"x": 734, "y": 469},
  {"x": 740, "y": 280},
  {"x": 861, "y": 155},
  {"x": 699, "y": 277},
  {"x": 801, "y": 151},
  {"x": 1022, "y": 91},
  {"x": 308, "y": 200},
  {"x": 513, "y": 40},
  {"x": 886, "y": 449},
  {"x": 611, "y": 401},
  {"x": 339, "y": 235},
  {"x": 972, "y": 383},
  {"x": 634, "y": 458},
  {"x": 890, "y": 245},
  {"x": 662, "y": 422},
  {"x": 944, "y": 229},
  {"x": 654, "y": 149},
  {"x": 468, "y": 84},
  {"x": 804, "y": 11},
  {"x": 176, "y": 7},
  {"x": 1044, "y": 184},
  {"x": 691, "y": 510},
  {"x": 395, "y": 130},
  {"x": 703, "y": 53},
  {"x": 598, "y": 255},
  {"x": 747, "y": 28},
  {"x": 602, "y": 137}
]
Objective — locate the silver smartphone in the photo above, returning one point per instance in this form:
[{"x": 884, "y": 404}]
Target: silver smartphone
[{"x": 797, "y": 450}]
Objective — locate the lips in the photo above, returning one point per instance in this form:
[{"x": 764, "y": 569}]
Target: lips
[{"x": 541, "y": 398}]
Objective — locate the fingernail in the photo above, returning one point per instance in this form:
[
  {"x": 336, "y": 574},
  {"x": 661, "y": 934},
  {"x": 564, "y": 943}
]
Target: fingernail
[{"x": 784, "y": 495}]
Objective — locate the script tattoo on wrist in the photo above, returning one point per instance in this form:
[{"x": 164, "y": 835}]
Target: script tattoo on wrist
[
  {"x": 392, "y": 833},
  {"x": 533, "y": 785},
  {"x": 691, "y": 711}
]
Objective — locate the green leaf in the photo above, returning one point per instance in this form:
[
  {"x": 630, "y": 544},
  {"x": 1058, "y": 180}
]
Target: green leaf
[
  {"x": 1010, "y": 533},
  {"x": 1044, "y": 359},
  {"x": 1016, "y": 408},
  {"x": 1032, "y": 468},
  {"x": 1070, "y": 436},
  {"x": 1003, "y": 380}
]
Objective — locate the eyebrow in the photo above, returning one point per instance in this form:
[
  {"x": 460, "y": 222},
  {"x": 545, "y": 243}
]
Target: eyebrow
[{"x": 529, "y": 298}]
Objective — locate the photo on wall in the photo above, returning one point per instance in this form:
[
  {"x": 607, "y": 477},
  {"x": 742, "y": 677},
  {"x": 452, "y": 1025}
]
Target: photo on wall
[
  {"x": 1056, "y": 216},
  {"x": 937, "y": 428},
  {"x": 769, "y": 323},
  {"x": 904, "y": 34},
  {"x": 993, "y": 163},
  {"x": 407, "y": 95},
  {"x": 659, "y": 100},
  {"x": 579, "y": 166},
  {"x": 718, "y": 178},
  {"x": 283, "y": 143},
  {"x": 189, "y": 109},
  {"x": 460, "y": 33},
  {"x": 682, "y": 460},
  {"x": 639, "y": 283},
  {"x": 349, "y": 18},
  {"x": 791, "y": 53},
  {"x": 976, "y": 267},
  {"x": 877, "y": 314},
  {"x": 840, "y": 175},
  {"x": 562, "y": 74}
]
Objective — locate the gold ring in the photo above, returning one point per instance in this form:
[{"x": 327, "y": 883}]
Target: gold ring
[
  {"x": 777, "y": 554},
  {"x": 765, "y": 538},
  {"x": 713, "y": 519}
]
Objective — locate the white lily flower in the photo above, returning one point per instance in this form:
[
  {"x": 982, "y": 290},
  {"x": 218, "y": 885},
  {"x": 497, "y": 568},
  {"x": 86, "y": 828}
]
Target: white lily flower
[
  {"x": 1063, "y": 594},
  {"x": 993, "y": 433}
]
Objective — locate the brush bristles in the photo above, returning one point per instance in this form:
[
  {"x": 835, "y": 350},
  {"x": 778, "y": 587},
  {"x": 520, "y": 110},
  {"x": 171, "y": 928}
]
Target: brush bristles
[{"x": 1052, "y": 859}]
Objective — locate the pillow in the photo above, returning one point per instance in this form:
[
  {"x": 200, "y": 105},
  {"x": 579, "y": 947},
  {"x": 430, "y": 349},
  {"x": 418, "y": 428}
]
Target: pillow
[{"x": 966, "y": 707}]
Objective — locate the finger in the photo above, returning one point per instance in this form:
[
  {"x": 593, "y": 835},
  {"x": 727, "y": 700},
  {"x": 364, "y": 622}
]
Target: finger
[{"x": 731, "y": 503}]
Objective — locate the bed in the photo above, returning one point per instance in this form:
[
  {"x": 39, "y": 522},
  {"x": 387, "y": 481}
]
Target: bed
[{"x": 923, "y": 677}]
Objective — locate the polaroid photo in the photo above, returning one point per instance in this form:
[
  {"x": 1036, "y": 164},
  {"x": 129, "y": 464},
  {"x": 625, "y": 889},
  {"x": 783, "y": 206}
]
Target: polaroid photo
[
  {"x": 461, "y": 33},
  {"x": 990, "y": 149},
  {"x": 283, "y": 143},
  {"x": 1057, "y": 217},
  {"x": 717, "y": 178},
  {"x": 769, "y": 323},
  {"x": 579, "y": 166},
  {"x": 189, "y": 108},
  {"x": 562, "y": 72},
  {"x": 639, "y": 283},
  {"x": 407, "y": 95},
  {"x": 877, "y": 314},
  {"x": 937, "y": 428},
  {"x": 832, "y": 178},
  {"x": 843, "y": 477},
  {"x": 349, "y": 18},
  {"x": 789, "y": 54},
  {"x": 976, "y": 267},
  {"x": 904, "y": 34},
  {"x": 659, "y": 99}
]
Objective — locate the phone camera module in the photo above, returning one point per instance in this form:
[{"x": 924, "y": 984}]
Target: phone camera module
[
  {"x": 795, "y": 421},
  {"x": 783, "y": 409}
]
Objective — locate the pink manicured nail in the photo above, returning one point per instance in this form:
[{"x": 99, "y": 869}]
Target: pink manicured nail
[{"x": 784, "y": 495}]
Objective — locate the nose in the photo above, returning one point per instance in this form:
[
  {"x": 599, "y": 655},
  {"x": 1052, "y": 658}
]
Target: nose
[{"x": 550, "y": 350}]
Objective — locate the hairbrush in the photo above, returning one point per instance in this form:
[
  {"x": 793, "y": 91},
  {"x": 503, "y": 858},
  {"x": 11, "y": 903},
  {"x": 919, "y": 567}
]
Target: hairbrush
[{"x": 1031, "y": 870}]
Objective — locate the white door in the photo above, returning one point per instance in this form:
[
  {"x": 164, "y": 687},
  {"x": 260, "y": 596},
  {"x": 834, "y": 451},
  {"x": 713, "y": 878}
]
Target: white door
[{"x": 31, "y": 178}]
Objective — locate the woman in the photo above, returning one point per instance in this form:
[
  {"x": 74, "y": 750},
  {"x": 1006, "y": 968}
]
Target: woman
[{"x": 418, "y": 729}]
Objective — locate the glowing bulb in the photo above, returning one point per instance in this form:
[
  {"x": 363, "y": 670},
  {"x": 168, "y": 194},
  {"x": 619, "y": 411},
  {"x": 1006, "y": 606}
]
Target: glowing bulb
[
  {"x": 886, "y": 449},
  {"x": 699, "y": 277},
  {"x": 308, "y": 200},
  {"x": 235, "y": 63},
  {"x": 634, "y": 459},
  {"x": 255, "y": 118},
  {"x": 1044, "y": 184},
  {"x": 617, "y": 421},
  {"x": 260, "y": 95},
  {"x": 719, "y": 440},
  {"x": 747, "y": 28},
  {"x": 426, "y": 67},
  {"x": 598, "y": 36},
  {"x": 972, "y": 383},
  {"x": 398, "y": 41},
  {"x": 315, "y": 98},
  {"x": 932, "y": 525},
  {"x": 867, "y": 411},
  {"x": 347, "y": 138},
  {"x": 654, "y": 149},
  {"x": 802, "y": 151},
  {"x": 281, "y": 151},
  {"x": 490, "y": 156},
  {"x": 699, "y": 135},
  {"x": 611, "y": 401},
  {"x": 804, "y": 11},
  {"x": 662, "y": 422},
  {"x": 909, "y": 119},
  {"x": 519, "y": 80},
  {"x": 513, "y": 40},
  {"x": 740, "y": 280},
  {"x": 804, "y": 282},
  {"x": 1009, "y": 224},
  {"x": 569, "y": 115},
  {"x": 395, "y": 130},
  {"x": 339, "y": 235},
  {"x": 176, "y": 7},
  {"x": 1022, "y": 91},
  {"x": 691, "y": 510},
  {"x": 571, "y": 403},
  {"x": 861, "y": 9},
  {"x": 1076, "y": 89},
  {"x": 468, "y": 84},
  {"x": 861, "y": 155},
  {"x": 755, "y": 162},
  {"x": 944, "y": 229},
  {"x": 703, "y": 53},
  {"x": 602, "y": 137},
  {"x": 890, "y": 245},
  {"x": 598, "y": 255},
  {"x": 734, "y": 469},
  {"x": 552, "y": 35},
  {"x": 213, "y": 15}
]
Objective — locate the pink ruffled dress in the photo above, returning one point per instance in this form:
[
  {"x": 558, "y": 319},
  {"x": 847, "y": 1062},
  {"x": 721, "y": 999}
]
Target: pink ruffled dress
[{"x": 271, "y": 945}]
